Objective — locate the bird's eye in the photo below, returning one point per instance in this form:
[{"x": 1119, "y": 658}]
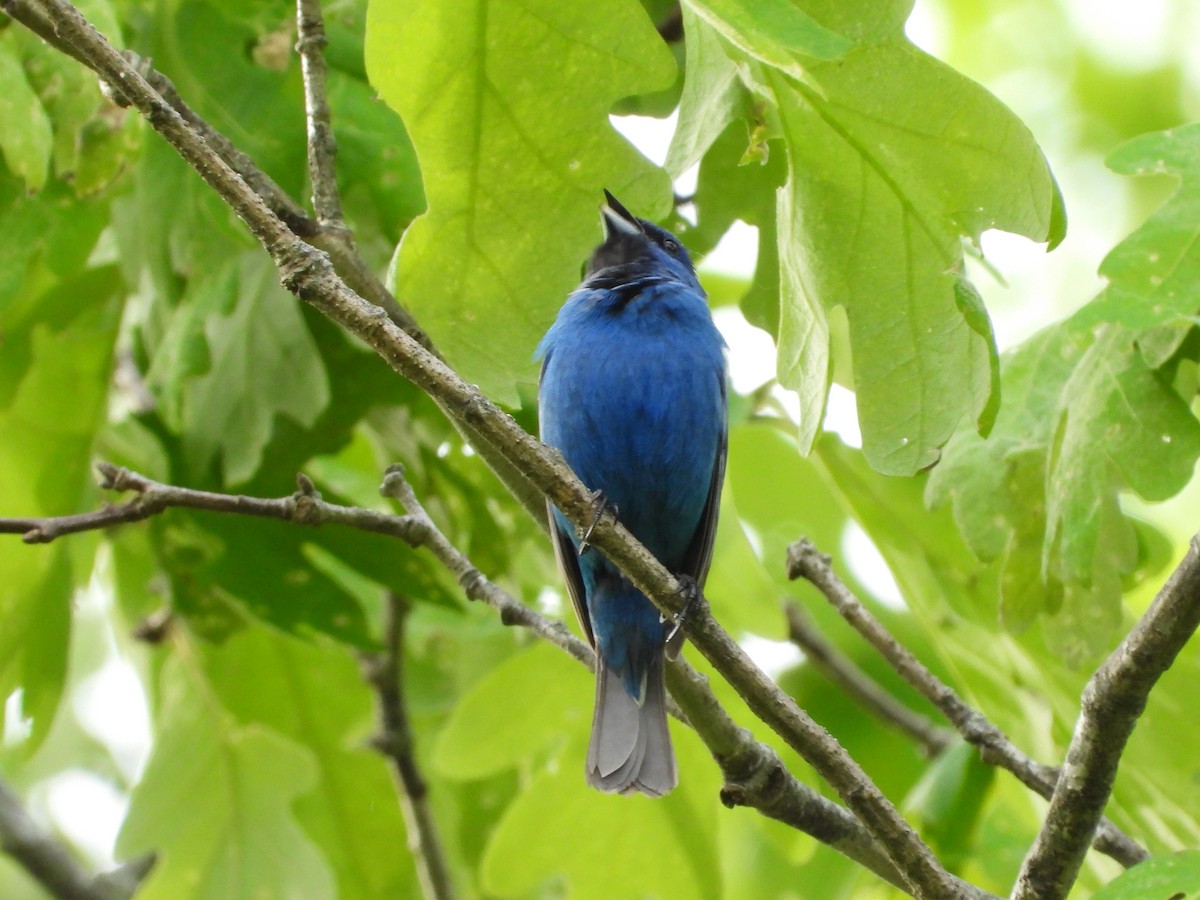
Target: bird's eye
[{"x": 670, "y": 246}]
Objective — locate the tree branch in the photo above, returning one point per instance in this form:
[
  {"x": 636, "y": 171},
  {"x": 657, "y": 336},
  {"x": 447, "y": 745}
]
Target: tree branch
[
  {"x": 307, "y": 272},
  {"x": 777, "y": 710},
  {"x": 1112, "y": 702},
  {"x": 473, "y": 582},
  {"x": 754, "y": 775},
  {"x": 30, "y": 14},
  {"x": 805, "y": 561},
  {"x": 305, "y": 507},
  {"x": 53, "y": 866},
  {"x": 322, "y": 145},
  {"x": 334, "y": 236},
  {"x": 384, "y": 671},
  {"x": 842, "y": 671},
  {"x": 335, "y": 241}
]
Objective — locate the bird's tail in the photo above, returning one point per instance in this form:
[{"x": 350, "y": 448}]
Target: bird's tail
[{"x": 630, "y": 748}]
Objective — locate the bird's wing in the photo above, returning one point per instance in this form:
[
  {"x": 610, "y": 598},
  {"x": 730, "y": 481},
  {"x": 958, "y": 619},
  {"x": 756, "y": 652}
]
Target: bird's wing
[
  {"x": 699, "y": 552},
  {"x": 698, "y": 556},
  {"x": 567, "y": 555}
]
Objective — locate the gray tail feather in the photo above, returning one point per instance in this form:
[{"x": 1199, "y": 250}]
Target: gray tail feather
[{"x": 630, "y": 748}]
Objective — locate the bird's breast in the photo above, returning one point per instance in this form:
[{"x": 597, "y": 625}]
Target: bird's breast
[{"x": 635, "y": 403}]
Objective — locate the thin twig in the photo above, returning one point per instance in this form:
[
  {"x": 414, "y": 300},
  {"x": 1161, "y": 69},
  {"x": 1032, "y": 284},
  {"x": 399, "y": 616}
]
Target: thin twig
[
  {"x": 1112, "y": 702},
  {"x": 336, "y": 238},
  {"x": 754, "y": 774},
  {"x": 40, "y": 854},
  {"x": 308, "y": 273},
  {"x": 842, "y": 671},
  {"x": 337, "y": 242},
  {"x": 473, "y": 582},
  {"x": 755, "y": 777},
  {"x": 385, "y": 673},
  {"x": 806, "y": 561},
  {"x": 305, "y": 507},
  {"x": 333, "y": 240},
  {"x": 322, "y": 145},
  {"x": 923, "y": 873},
  {"x": 30, "y": 14}
]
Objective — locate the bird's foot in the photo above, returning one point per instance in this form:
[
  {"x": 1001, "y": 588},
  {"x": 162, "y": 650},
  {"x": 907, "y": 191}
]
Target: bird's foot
[
  {"x": 600, "y": 505},
  {"x": 689, "y": 589}
]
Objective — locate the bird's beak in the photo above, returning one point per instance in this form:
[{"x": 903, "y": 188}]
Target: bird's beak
[{"x": 617, "y": 219}]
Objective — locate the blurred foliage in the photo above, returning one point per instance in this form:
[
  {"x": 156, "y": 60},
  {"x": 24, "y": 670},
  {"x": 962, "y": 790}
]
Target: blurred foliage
[
  {"x": 903, "y": 157},
  {"x": 139, "y": 323},
  {"x": 1176, "y": 876}
]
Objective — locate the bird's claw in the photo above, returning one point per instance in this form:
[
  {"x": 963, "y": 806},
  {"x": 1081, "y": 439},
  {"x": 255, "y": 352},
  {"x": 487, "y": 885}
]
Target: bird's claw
[
  {"x": 690, "y": 589},
  {"x": 600, "y": 505}
]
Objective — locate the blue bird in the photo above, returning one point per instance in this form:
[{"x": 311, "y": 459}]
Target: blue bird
[{"x": 632, "y": 393}]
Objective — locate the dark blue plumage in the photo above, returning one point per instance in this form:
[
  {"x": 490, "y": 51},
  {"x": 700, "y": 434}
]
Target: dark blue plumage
[{"x": 633, "y": 394}]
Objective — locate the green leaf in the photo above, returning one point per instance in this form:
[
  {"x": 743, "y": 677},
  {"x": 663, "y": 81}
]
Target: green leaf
[
  {"x": 93, "y": 141},
  {"x": 25, "y": 135},
  {"x": 665, "y": 845},
  {"x": 264, "y": 364},
  {"x": 776, "y": 32},
  {"x": 35, "y": 607},
  {"x": 744, "y": 596},
  {"x": 359, "y": 382},
  {"x": 713, "y": 96},
  {"x": 881, "y": 190},
  {"x": 997, "y": 487},
  {"x": 252, "y": 98},
  {"x": 970, "y": 304},
  {"x": 728, "y": 189},
  {"x": 1026, "y": 590},
  {"x": 864, "y": 20},
  {"x": 104, "y": 151},
  {"x": 1150, "y": 443},
  {"x": 41, "y": 279},
  {"x": 778, "y": 493},
  {"x": 760, "y": 304},
  {"x": 172, "y": 228},
  {"x": 892, "y": 159},
  {"x": 949, "y": 799},
  {"x": 489, "y": 731},
  {"x": 1153, "y": 273},
  {"x": 510, "y": 169},
  {"x": 56, "y": 403},
  {"x": 313, "y": 694},
  {"x": 973, "y": 471},
  {"x": 239, "y": 837},
  {"x": 1042, "y": 493},
  {"x": 804, "y": 363},
  {"x": 779, "y": 496},
  {"x": 377, "y": 166},
  {"x": 265, "y": 567},
  {"x": 1174, "y": 877},
  {"x": 933, "y": 567}
]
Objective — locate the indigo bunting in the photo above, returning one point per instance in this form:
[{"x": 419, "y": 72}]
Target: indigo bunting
[{"x": 632, "y": 393}]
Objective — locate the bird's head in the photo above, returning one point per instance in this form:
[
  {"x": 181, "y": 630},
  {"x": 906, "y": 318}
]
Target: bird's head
[{"x": 634, "y": 248}]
